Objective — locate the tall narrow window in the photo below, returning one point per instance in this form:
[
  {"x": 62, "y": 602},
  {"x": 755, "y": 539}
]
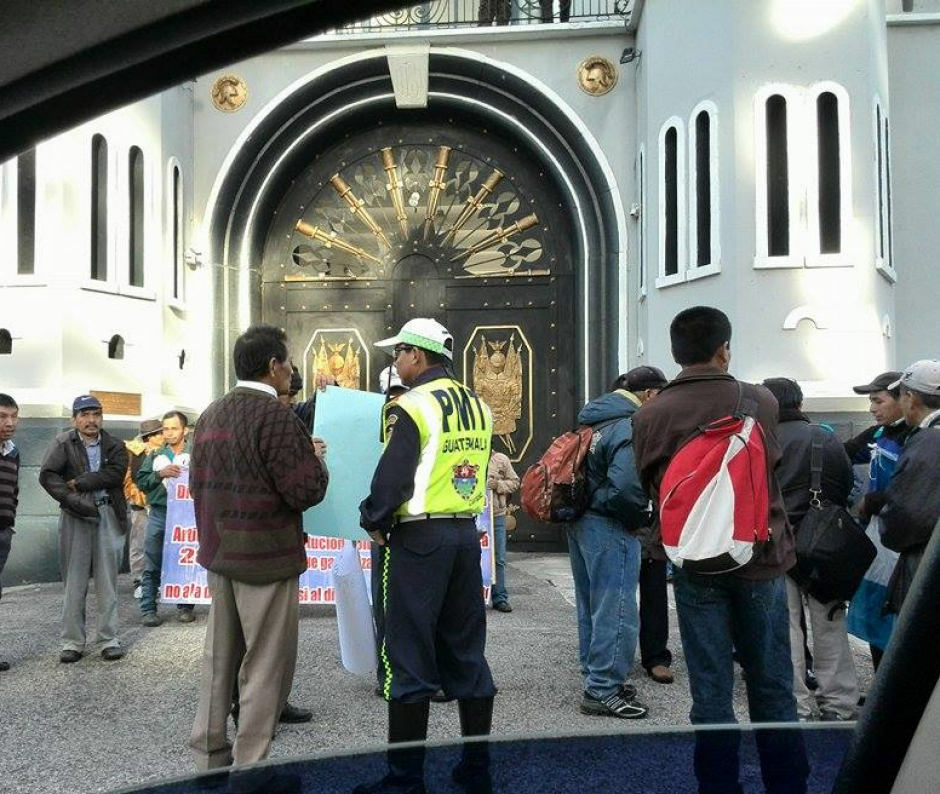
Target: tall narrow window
[
  {"x": 641, "y": 226},
  {"x": 778, "y": 177},
  {"x": 671, "y": 218},
  {"x": 177, "y": 231},
  {"x": 99, "y": 208},
  {"x": 880, "y": 179},
  {"x": 6, "y": 342},
  {"x": 26, "y": 213},
  {"x": 889, "y": 216},
  {"x": 135, "y": 203},
  {"x": 829, "y": 172},
  {"x": 703, "y": 189},
  {"x": 116, "y": 347}
]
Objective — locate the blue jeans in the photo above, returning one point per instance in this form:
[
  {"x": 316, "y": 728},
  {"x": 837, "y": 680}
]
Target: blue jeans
[
  {"x": 500, "y": 596},
  {"x": 153, "y": 562},
  {"x": 718, "y": 615},
  {"x": 605, "y": 562}
]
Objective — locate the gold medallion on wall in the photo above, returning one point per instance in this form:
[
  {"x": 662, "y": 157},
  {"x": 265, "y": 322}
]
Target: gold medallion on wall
[
  {"x": 500, "y": 372},
  {"x": 229, "y": 93},
  {"x": 597, "y": 76},
  {"x": 339, "y": 353}
]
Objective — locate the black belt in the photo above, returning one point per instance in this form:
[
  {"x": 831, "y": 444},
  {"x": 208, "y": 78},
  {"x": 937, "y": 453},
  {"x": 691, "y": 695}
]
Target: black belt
[
  {"x": 429, "y": 516},
  {"x": 103, "y": 501}
]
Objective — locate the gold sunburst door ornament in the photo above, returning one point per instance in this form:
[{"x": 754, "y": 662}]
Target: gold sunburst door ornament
[
  {"x": 502, "y": 377},
  {"x": 229, "y": 93},
  {"x": 451, "y": 205},
  {"x": 597, "y": 76},
  {"x": 339, "y": 353}
]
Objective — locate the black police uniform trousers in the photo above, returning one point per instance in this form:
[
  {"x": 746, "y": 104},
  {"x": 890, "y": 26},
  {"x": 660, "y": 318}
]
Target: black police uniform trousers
[{"x": 435, "y": 618}]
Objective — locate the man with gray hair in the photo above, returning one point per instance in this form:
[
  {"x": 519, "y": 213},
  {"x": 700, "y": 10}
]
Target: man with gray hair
[{"x": 910, "y": 506}]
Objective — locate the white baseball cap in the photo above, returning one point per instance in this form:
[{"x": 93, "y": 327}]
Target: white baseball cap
[
  {"x": 389, "y": 379},
  {"x": 421, "y": 332},
  {"x": 922, "y": 376}
]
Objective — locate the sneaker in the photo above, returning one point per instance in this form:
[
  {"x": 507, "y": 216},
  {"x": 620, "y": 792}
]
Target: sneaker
[
  {"x": 627, "y": 692},
  {"x": 825, "y": 715},
  {"x": 112, "y": 653},
  {"x": 69, "y": 656},
  {"x": 151, "y": 619},
  {"x": 613, "y": 706},
  {"x": 502, "y": 606},
  {"x": 138, "y": 591}
]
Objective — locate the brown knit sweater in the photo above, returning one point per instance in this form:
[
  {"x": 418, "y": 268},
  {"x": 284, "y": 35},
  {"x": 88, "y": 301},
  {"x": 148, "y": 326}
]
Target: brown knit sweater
[{"x": 252, "y": 474}]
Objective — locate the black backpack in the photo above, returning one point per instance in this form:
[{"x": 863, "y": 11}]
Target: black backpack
[{"x": 832, "y": 550}]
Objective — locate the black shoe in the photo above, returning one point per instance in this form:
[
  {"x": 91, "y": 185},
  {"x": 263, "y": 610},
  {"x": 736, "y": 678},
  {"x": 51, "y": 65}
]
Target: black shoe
[
  {"x": 390, "y": 785},
  {"x": 69, "y": 656},
  {"x": 112, "y": 653},
  {"x": 502, "y": 606},
  {"x": 613, "y": 706},
  {"x": 292, "y": 714},
  {"x": 185, "y": 616},
  {"x": 151, "y": 619},
  {"x": 4, "y": 666},
  {"x": 830, "y": 716},
  {"x": 812, "y": 684}
]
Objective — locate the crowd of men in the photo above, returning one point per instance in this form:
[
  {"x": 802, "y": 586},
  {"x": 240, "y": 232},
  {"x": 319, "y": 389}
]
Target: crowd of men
[{"x": 254, "y": 469}]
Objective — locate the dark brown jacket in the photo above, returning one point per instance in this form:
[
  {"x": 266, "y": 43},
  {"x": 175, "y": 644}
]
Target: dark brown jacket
[
  {"x": 699, "y": 395},
  {"x": 66, "y": 459},
  {"x": 252, "y": 474}
]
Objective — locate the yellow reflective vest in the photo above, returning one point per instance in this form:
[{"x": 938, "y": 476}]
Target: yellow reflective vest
[{"x": 455, "y": 428}]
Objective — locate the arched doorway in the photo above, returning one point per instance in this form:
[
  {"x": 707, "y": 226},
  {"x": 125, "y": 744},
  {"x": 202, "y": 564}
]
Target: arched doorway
[{"x": 433, "y": 219}]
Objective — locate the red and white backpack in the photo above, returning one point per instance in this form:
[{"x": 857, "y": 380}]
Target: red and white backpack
[{"x": 714, "y": 499}]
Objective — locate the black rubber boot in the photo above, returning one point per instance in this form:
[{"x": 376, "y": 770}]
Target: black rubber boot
[
  {"x": 472, "y": 773},
  {"x": 407, "y": 722}
]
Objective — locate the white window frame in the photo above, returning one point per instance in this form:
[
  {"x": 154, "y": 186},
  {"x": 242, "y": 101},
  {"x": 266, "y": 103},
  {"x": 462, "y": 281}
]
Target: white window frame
[
  {"x": 177, "y": 268},
  {"x": 642, "y": 241},
  {"x": 681, "y": 205},
  {"x": 713, "y": 265},
  {"x": 9, "y": 225},
  {"x": 125, "y": 287},
  {"x": 880, "y": 126},
  {"x": 814, "y": 257},
  {"x": 110, "y": 283},
  {"x": 793, "y": 96}
]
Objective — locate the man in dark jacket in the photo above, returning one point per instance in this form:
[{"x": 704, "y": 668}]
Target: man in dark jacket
[
  {"x": 910, "y": 506},
  {"x": 254, "y": 470},
  {"x": 747, "y": 608},
  {"x": 84, "y": 472},
  {"x": 837, "y": 693},
  {"x": 9, "y": 482},
  {"x": 605, "y": 559}
]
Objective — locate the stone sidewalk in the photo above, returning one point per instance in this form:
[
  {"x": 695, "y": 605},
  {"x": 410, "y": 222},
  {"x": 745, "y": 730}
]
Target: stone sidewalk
[{"x": 96, "y": 726}]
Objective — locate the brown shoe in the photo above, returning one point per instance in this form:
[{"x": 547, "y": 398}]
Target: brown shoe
[{"x": 661, "y": 674}]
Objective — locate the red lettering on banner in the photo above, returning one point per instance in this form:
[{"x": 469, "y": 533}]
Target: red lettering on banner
[
  {"x": 183, "y": 493},
  {"x": 366, "y": 563},
  {"x": 183, "y": 534},
  {"x": 485, "y": 540},
  {"x": 316, "y": 595},
  {"x": 486, "y": 594},
  {"x": 171, "y": 591},
  {"x": 317, "y": 543},
  {"x": 187, "y": 555},
  {"x": 194, "y": 591}
]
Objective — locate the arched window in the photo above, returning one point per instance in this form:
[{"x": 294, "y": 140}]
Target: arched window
[
  {"x": 26, "y": 213},
  {"x": 99, "y": 208},
  {"x": 176, "y": 229},
  {"x": 116, "y": 347},
  {"x": 778, "y": 176},
  {"x": 884, "y": 252},
  {"x": 641, "y": 225},
  {"x": 135, "y": 205},
  {"x": 672, "y": 221},
  {"x": 704, "y": 256},
  {"x": 829, "y": 189},
  {"x": 6, "y": 342}
]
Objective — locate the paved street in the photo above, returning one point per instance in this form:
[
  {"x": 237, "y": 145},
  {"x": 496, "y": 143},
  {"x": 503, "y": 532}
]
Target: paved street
[{"x": 95, "y": 726}]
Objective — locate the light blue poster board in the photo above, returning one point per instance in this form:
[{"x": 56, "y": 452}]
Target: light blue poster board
[{"x": 350, "y": 422}]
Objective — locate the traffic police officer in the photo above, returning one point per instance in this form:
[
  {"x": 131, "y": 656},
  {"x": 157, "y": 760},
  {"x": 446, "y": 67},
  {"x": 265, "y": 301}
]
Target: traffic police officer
[{"x": 428, "y": 488}]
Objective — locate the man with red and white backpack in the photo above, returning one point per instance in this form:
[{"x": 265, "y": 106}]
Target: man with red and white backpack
[{"x": 743, "y": 608}]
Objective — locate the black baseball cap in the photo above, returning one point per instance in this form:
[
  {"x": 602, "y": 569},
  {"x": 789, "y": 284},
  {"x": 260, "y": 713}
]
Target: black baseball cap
[
  {"x": 882, "y": 383},
  {"x": 645, "y": 377}
]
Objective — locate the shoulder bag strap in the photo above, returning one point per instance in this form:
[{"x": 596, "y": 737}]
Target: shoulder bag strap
[{"x": 816, "y": 467}]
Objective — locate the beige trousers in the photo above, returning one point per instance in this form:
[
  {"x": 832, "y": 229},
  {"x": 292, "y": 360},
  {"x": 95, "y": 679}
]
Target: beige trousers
[
  {"x": 135, "y": 541},
  {"x": 252, "y": 634}
]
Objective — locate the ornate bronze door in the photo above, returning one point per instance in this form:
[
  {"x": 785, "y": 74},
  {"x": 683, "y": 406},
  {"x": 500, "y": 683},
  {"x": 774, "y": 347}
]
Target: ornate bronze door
[{"x": 434, "y": 220}]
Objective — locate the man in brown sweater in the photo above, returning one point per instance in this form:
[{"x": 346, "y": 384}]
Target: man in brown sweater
[
  {"x": 254, "y": 470},
  {"x": 745, "y": 610}
]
